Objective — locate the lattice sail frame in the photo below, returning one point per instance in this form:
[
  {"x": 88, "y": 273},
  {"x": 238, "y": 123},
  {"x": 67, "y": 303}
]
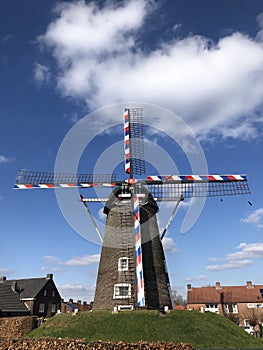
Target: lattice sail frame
[
  {"x": 162, "y": 188},
  {"x": 133, "y": 141}
]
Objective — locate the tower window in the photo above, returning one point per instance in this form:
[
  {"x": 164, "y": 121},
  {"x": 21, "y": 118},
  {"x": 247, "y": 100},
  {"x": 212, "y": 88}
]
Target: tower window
[
  {"x": 123, "y": 264},
  {"x": 122, "y": 290}
]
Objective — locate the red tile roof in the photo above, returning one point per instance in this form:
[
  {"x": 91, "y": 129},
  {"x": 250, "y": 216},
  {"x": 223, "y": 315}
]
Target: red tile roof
[{"x": 225, "y": 294}]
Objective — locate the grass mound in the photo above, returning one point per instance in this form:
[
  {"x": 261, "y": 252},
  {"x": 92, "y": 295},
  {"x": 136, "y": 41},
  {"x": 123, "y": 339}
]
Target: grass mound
[{"x": 201, "y": 330}]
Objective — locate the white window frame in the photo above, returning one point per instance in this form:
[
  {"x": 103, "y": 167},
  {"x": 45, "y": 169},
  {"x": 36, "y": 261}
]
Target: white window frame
[
  {"x": 117, "y": 288},
  {"x": 226, "y": 308},
  {"x": 212, "y": 308},
  {"x": 125, "y": 308},
  {"x": 234, "y": 308},
  {"x": 250, "y": 305},
  {"x": 120, "y": 263},
  {"x": 41, "y": 308},
  {"x": 53, "y": 308}
]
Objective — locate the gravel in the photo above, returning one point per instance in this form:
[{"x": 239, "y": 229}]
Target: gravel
[{"x": 61, "y": 344}]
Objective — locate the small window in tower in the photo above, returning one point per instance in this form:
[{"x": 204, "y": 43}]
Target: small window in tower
[
  {"x": 122, "y": 290},
  {"x": 123, "y": 264}
]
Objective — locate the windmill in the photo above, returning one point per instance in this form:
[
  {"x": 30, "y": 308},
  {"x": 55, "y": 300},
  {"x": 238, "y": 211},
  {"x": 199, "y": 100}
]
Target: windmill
[{"x": 132, "y": 271}]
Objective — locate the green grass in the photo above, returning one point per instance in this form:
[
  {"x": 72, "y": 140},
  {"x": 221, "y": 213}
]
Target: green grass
[{"x": 201, "y": 330}]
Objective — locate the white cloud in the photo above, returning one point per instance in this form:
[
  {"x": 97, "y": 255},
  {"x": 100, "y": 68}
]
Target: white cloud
[
  {"x": 245, "y": 255},
  {"x": 48, "y": 269},
  {"x": 99, "y": 52},
  {"x": 259, "y": 36},
  {"x": 82, "y": 260},
  {"x": 198, "y": 278},
  {"x": 77, "y": 291},
  {"x": 76, "y": 261},
  {"x": 255, "y": 218},
  {"x": 5, "y": 160},
  {"x": 41, "y": 73},
  {"x": 230, "y": 265},
  {"x": 169, "y": 246},
  {"x": 50, "y": 259},
  {"x": 247, "y": 251},
  {"x": 7, "y": 38},
  {"x": 201, "y": 278}
]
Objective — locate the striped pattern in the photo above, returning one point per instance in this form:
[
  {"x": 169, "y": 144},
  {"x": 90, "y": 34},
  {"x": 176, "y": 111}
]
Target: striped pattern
[
  {"x": 151, "y": 180},
  {"x": 196, "y": 178},
  {"x": 138, "y": 254},
  {"x": 82, "y": 185},
  {"x": 127, "y": 150}
]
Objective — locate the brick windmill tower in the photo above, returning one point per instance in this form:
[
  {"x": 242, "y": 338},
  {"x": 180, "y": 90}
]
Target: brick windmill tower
[{"x": 132, "y": 271}]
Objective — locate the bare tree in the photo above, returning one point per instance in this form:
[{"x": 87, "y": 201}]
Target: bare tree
[
  {"x": 177, "y": 299},
  {"x": 254, "y": 316}
]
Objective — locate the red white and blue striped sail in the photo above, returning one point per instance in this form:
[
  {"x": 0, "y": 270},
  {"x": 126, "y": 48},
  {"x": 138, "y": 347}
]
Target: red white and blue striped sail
[
  {"x": 62, "y": 185},
  {"x": 133, "y": 141},
  {"x": 162, "y": 188},
  {"x": 138, "y": 254},
  {"x": 195, "y": 178},
  {"x": 127, "y": 150}
]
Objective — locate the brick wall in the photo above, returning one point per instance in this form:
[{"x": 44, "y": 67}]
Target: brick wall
[{"x": 16, "y": 327}]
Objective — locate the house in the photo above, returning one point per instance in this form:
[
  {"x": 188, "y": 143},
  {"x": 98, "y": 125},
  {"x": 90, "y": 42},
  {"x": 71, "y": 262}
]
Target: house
[
  {"x": 39, "y": 295},
  {"x": 71, "y": 306},
  {"x": 240, "y": 303},
  {"x": 10, "y": 303}
]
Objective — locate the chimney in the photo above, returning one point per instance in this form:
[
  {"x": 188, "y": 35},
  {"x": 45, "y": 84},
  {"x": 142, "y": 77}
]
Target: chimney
[
  {"x": 14, "y": 286},
  {"x": 2, "y": 278},
  {"x": 189, "y": 287},
  {"x": 218, "y": 286},
  {"x": 49, "y": 276},
  {"x": 249, "y": 285}
]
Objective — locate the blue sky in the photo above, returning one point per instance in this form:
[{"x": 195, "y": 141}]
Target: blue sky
[{"x": 63, "y": 61}]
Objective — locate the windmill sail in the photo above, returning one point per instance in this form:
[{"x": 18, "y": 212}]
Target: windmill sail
[
  {"x": 27, "y": 179},
  {"x": 138, "y": 253},
  {"x": 135, "y": 164},
  {"x": 133, "y": 141},
  {"x": 169, "y": 188}
]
